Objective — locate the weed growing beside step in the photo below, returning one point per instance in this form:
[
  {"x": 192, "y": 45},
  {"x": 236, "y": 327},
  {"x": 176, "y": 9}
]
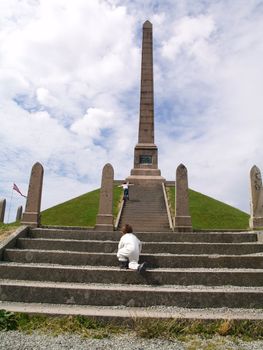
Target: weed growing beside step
[
  {"x": 8, "y": 321},
  {"x": 149, "y": 329}
]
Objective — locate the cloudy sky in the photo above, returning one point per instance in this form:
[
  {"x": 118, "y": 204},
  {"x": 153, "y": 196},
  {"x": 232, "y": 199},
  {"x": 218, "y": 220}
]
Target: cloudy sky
[{"x": 69, "y": 93}]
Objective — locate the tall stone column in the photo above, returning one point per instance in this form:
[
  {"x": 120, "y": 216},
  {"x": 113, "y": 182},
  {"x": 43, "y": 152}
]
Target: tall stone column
[
  {"x": 2, "y": 209},
  {"x": 256, "y": 198},
  {"x": 104, "y": 220},
  {"x": 146, "y": 152},
  {"x": 31, "y": 215},
  {"x": 182, "y": 220},
  {"x": 19, "y": 213}
]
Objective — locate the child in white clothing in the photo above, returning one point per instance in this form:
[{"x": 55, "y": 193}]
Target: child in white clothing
[{"x": 129, "y": 249}]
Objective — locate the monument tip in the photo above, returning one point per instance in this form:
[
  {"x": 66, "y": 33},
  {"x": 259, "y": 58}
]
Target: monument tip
[
  {"x": 147, "y": 24},
  {"x": 254, "y": 169}
]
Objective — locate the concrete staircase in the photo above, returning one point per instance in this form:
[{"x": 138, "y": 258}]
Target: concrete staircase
[
  {"x": 145, "y": 210},
  {"x": 78, "y": 268}
]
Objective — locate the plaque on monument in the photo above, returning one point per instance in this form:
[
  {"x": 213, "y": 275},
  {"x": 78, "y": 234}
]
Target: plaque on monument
[{"x": 145, "y": 159}]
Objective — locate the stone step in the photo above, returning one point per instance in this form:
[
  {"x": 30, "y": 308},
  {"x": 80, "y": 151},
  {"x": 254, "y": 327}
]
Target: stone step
[
  {"x": 129, "y": 314},
  {"x": 148, "y": 247},
  {"x": 215, "y": 237},
  {"x": 147, "y": 218},
  {"x": 137, "y": 224},
  {"x": 150, "y": 222},
  {"x": 146, "y": 209},
  {"x": 147, "y": 228},
  {"x": 130, "y": 295},
  {"x": 254, "y": 261},
  {"x": 155, "y": 208},
  {"x": 100, "y": 274}
]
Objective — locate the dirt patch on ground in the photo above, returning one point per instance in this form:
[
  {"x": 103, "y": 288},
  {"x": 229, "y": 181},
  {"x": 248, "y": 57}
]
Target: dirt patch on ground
[
  {"x": 6, "y": 231},
  {"x": 5, "y": 234}
]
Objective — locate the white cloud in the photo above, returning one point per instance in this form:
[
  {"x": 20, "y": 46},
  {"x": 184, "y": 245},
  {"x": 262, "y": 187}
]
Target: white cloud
[
  {"x": 93, "y": 123},
  {"x": 191, "y": 35}
]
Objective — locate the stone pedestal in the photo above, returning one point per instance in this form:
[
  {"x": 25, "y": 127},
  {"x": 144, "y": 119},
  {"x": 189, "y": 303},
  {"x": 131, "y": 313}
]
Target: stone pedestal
[
  {"x": 255, "y": 223},
  {"x": 2, "y": 209},
  {"x": 256, "y": 199},
  {"x": 105, "y": 220},
  {"x": 31, "y": 216},
  {"x": 19, "y": 213},
  {"x": 182, "y": 220}
]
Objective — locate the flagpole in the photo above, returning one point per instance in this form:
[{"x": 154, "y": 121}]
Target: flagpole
[{"x": 10, "y": 205}]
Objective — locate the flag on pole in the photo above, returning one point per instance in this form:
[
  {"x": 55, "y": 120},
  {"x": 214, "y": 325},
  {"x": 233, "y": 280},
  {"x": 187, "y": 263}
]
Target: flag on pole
[{"x": 17, "y": 190}]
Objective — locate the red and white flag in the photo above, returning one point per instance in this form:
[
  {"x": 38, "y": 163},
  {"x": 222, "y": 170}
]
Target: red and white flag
[{"x": 17, "y": 190}]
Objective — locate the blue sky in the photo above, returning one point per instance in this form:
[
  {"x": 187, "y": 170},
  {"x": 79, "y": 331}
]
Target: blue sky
[{"x": 69, "y": 93}]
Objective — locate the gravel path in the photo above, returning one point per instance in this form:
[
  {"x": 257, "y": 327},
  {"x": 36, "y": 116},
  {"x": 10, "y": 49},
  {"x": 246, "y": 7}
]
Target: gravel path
[{"x": 20, "y": 341}]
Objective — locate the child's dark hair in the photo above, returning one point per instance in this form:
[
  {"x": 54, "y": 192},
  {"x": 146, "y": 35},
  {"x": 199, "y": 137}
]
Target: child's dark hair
[{"x": 127, "y": 228}]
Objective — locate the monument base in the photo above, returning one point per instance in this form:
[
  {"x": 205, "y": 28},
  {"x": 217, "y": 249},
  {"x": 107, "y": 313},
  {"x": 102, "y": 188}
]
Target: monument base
[
  {"x": 137, "y": 179},
  {"x": 104, "y": 222},
  {"x": 145, "y": 164},
  {"x": 255, "y": 222},
  {"x": 183, "y": 224},
  {"x": 31, "y": 219},
  {"x": 145, "y": 172}
]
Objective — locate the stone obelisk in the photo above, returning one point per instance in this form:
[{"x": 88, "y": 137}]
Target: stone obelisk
[{"x": 146, "y": 152}]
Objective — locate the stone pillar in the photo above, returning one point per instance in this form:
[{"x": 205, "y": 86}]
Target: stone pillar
[
  {"x": 104, "y": 220},
  {"x": 19, "y": 213},
  {"x": 2, "y": 210},
  {"x": 182, "y": 220},
  {"x": 256, "y": 199},
  {"x": 31, "y": 215},
  {"x": 146, "y": 152}
]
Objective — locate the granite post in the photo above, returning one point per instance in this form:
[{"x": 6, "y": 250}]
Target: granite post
[
  {"x": 146, "y": 152},
  {"x": 182, "y": 220},
  {"x": 2, "y": 209},
  {"x": 31, "y": 215},
  {"x": 104, "y": 220},
  {"x": 19, "y": 213},
  {"x": 256, "y": 199}
]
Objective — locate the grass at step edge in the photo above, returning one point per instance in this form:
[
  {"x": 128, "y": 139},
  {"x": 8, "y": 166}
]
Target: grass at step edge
[{"x": 147, "y": 328}]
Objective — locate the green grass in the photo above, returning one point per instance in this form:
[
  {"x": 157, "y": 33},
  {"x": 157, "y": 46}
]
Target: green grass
[
  {"x": 149, "y": 329},
  {"x": 208, "y": 213},
  {"x": 80, "y": 211}
]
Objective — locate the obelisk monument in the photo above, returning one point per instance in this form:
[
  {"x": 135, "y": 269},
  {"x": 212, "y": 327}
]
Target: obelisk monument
[{"x": 146, "y": 152}]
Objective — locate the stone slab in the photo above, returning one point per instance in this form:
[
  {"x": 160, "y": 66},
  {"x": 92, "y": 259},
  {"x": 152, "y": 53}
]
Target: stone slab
[
  {"x": 11, "y": 240},
  {"x": 84, "y": 234},
  {"x": 31, "y": 215},
  {"x": 131, "y": 295},
  {"x": 148, "y": 247},
  {"x": 2, "y": 209},
  {"x": 132, "y": 314},
  {"x": 105, "y": 218},
  {"x": 182, "y": 220},
  {"x": 109, "y": 275},
  {"x": 254, "y": 261}
]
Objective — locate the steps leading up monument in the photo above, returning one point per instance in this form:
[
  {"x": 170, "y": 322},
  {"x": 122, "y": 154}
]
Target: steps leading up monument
[
  {"x": 79, "y": 267},
  {"x": 146, "y": 210}
]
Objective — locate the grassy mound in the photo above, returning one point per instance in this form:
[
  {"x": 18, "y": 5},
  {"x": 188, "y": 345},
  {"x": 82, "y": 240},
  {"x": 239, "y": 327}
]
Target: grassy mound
[
  {"x": 79, "y": 211},
  {"x": 208, "y": 213}
]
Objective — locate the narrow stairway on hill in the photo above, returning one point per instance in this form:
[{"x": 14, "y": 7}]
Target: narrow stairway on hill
[{"x": 145, "y": 210}]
